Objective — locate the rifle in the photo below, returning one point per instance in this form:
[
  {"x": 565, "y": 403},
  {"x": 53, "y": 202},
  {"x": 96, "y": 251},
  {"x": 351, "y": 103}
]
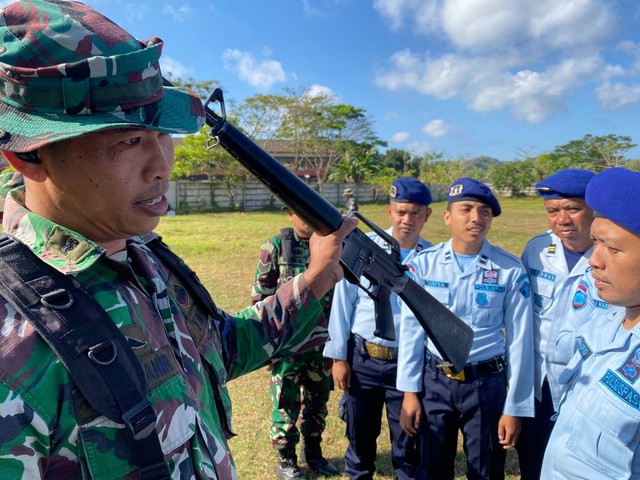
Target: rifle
[{"x": 361, "y": 256}]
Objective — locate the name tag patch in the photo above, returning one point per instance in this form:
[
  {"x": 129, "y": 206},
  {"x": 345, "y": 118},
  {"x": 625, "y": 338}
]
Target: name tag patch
[
  {"x": 584, "y": 349},
  {"x": 541, "y": 274},
  {"x": 621, "y": 389}
]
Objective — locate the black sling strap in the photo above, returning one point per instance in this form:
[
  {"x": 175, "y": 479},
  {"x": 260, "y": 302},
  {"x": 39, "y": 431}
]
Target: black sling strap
[{"x": 88, "y": 343}]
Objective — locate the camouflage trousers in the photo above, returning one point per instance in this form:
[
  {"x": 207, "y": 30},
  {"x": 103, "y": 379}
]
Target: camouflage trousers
[{"x": 299, "y": 384}]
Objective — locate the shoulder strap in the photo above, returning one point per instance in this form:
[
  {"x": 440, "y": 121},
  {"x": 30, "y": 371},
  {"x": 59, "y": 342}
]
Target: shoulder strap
[
  {"x": 287, "y": 238},
  {"x": 185, "y": 274},
  {"x": 88, "y": 343}
]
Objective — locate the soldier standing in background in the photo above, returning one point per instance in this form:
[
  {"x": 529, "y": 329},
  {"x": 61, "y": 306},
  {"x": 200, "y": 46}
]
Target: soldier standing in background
[
  {"x": 281, "y": 258},
  {"x": 352, "y": 203}
]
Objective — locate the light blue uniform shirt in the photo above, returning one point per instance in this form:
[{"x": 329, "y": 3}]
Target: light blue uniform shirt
[
  {"x": 553, "y": 287},
  {"x": 586, "y": 307},
  {"x": 597, "y": 431},
  {"x": 493, "y": 297},
  {"x": 353, "y": 311}
]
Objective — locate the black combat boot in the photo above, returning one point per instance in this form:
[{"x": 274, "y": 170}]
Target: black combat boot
[
  {"x": 311, "y": 454},
  {"x": 288, "y": 466}
]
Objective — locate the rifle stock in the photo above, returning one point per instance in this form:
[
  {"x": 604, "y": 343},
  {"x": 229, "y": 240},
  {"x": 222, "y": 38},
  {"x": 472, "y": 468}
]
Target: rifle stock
[{"x": 361, "y": 255}]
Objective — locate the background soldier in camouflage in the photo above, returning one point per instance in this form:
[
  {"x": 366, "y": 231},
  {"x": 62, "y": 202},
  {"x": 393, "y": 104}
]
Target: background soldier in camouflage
[
  {"x": 281, "y": 258},
  {"x": 84, "y": 115},
  {"x": 352, "y": 202}
]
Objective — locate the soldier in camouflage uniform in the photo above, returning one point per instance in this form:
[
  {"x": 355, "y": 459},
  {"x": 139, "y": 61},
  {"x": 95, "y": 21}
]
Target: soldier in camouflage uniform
[
  {"x": 85, "y": 118},
  {"x": 281, "y": 258}
]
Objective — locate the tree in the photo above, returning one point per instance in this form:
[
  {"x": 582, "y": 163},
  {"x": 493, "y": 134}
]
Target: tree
[
  {"x": 354, "y": 167},
  {"x": 515, "y": 176},
  {"x": 591, "y": 152},
  {"x": 439, "y": 173},
  {"x": 402, "y": 161},
  {"x": 195, "y": 157}
]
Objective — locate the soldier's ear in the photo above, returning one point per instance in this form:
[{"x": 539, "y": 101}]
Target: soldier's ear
[{"x": 28, "y": 164}]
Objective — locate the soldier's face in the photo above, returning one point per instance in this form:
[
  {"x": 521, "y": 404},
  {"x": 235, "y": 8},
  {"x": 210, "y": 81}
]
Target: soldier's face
[
  {"x": 302, "y": 229},
  {"x": 407, "y": 220},
  {"x": 616, "y": 263},
  {"x": 469, "y": 222},
  {"x": 108, "y": 186},
  {"x": 570, "y": 219}
]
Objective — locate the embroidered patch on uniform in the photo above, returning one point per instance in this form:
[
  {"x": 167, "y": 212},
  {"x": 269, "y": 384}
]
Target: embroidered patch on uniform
[
  {"x": 630, "y": 369},
  {"x": 579, "y": 300},
  {"x": 490, "y": 277},
  {"x": 541, "y": 274},
  {"x": 436, "y": 284},
  {"x": 602, "y": 304},
  {"x": 552, "y": 249},
  {"x": 584, "y": 348},
  {"x": 481, "y": 299},
  {"x": 525, "y": 290},
  {"x": 621, "y": 389},
  {"x": 537, "y": 300},
  {"x": 411, "y": 270},
  {"x": 489, "y": 288},
  {"x": 181, "y": 295}
]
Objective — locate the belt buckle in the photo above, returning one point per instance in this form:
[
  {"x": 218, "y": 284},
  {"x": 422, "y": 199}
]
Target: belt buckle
[
  {"x": 377, "y": 351},
  {"x": 445, "y": 367}
]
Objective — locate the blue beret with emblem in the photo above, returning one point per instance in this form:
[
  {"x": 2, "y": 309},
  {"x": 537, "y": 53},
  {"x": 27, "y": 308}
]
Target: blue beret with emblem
[
  {"x": 569, "y": 183},
  {"x": 466, "y": 188},
  {"x": 410, "y": 190},
  {"x": 612, "y": 192}
]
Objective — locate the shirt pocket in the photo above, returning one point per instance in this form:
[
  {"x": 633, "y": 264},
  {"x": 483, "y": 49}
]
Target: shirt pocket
[
  {"x": 542, "y": 294},
  {"x": 440, "y": 294},
  {"x": 606, "y": 428},
  {"x": 487, "y": 308}
]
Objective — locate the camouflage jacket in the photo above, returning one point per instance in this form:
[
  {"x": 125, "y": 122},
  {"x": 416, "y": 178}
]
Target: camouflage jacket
[
  {"x": 188, "y": 359},
  {"x": 274, "y": 269}
]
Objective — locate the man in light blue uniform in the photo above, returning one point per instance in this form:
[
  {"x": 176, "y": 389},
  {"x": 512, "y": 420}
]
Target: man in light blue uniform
[
  {"x": 586, "y": 308},
  {"x": 556, "y": 262},
  {"x": 364, "y": 365},
  {"x": 487, "y": 288},
  {"x": 597, "y": 432}
]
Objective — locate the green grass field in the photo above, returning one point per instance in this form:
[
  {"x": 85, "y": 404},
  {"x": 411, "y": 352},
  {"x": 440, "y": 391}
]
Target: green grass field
[{"x": 223, "y": 249}]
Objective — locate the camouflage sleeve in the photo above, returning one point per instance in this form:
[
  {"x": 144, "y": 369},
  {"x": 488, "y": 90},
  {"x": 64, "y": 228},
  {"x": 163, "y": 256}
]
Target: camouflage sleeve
[
  {"x": 282, "y": 325},
  {"x": 266, "y": 277},
  {"x": 25, "y": 442}
]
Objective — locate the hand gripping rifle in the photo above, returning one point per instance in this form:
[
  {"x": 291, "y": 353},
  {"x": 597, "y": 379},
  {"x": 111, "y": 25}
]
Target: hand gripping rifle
[{"x": 361, "y": 256}]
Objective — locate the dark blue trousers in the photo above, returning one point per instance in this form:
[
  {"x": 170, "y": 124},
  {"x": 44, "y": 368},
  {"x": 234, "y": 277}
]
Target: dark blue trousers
[
  {"x": 535, "y": 436},
  {"x": 373, "y": 385},
  {"x": 473, "y": 406}
]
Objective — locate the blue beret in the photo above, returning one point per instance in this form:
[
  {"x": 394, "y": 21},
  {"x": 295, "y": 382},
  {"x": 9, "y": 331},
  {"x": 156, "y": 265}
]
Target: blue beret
[
  {"x": 569, "y": 183},
  {"x": 613, "y": 194},
  {"x": 466, "y": 188},
  {"x": 410, "y": 190}
]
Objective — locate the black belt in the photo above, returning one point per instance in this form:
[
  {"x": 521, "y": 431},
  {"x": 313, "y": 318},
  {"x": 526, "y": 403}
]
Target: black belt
[{"x": 470, "y": 371}]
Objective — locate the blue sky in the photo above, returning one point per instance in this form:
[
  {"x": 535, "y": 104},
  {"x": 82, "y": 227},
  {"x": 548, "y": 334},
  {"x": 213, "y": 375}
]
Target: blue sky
[{"x": 501, "y": 78}]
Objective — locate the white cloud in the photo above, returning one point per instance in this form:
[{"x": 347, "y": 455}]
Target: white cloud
[
  {"x": 419, "y": 148},
  {"x": 618, "y": 95},
  {"x": 400, "y": 137},
  {"x": 321, "y": 91},
  {"x": 177, "y": 13},
  {"x": 507, "y": 54},
  {"x": 259, "y": 73},
  {"x": 174, "y": 67},
  {"x": 437, "y": 128}
]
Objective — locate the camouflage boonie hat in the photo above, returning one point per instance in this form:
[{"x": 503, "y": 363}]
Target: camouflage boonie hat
[{"x": 66, "y": 70}]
